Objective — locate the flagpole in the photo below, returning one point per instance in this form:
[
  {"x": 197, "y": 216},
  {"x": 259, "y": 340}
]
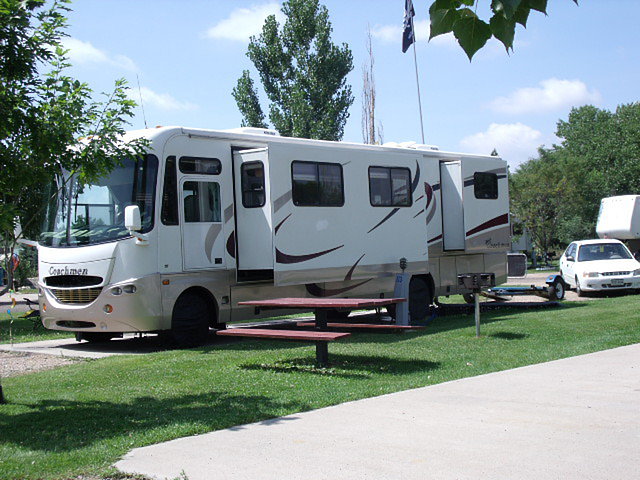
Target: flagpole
[{"x": 415, "y": 62}]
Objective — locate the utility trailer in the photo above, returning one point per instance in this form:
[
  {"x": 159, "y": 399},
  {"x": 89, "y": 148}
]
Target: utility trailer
[{"x": 175, "y": 240}]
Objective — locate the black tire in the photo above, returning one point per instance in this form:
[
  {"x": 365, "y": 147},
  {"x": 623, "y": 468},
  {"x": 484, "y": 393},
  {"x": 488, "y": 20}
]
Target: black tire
[
  {"x": 190, "y": 321},
  {"x": 420, "y": 298},
  {"x": 559, "y": 289},
  {"x": 335, "y": 314},
  {"x": 578, "y": 289},
  {"x": 391, "y": 310},
  {"x": 94, "y": 337}
]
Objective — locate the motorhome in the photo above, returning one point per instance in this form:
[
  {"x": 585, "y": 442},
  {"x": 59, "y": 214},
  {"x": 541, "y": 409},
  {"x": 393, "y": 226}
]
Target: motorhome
[
  {"x": 619, "y": 218},
  {"x": 172, "y": 241}
]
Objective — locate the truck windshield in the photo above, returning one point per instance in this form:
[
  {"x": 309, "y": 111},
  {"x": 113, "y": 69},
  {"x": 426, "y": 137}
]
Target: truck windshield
[{"x": 84, "y": 214}]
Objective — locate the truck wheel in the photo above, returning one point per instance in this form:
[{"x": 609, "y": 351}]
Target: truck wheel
[
  {"x": 190, "y": 321},
  {"x": 420, "y": 298},
  {"x": 469, "y": 298}
]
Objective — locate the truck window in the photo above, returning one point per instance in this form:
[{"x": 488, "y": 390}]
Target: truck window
[
  {"x": 389, "y": 187},
  {"x": 201, "y": 202},
  {"x": 485, "y": 185},
  {"x": 253, "y": 194},
  {"x": 169, "y": 214},
  {"x": 317, "y": 184},
  {"x": 200, "y": 165}
]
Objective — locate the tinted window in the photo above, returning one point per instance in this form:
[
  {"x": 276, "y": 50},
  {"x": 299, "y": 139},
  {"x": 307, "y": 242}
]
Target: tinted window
[
  {"x": 253, "y": 194},
  {"x": 603, "y": 251},
  {"x": 389, "y": 187},
  {"x": 201, "y": 165},
  {"x": 485, "y": 185},
  {"x": 317, "y": 184},
  {"x": 169, "y": 214},
  {"x": 201, "y": 202}
]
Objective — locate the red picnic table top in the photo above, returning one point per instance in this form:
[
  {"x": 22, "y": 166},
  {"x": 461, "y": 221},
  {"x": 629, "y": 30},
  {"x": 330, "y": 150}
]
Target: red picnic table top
[{"x": 323, "y": 302}]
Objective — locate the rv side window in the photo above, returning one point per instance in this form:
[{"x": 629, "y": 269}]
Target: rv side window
[
  {"x": 200, "y": 165},
  {"x": 169, "y": 214},
  {"x": 317, "y": 184},
  {"x": 485, "y": 185},
  {"x": 253, "y": 185},
  {"x": 201, "y": 202},
  {"x": 389, "y": 187}
]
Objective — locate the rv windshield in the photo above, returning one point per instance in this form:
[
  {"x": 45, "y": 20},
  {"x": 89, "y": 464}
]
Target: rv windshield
[{"x": 94, "y": 213}]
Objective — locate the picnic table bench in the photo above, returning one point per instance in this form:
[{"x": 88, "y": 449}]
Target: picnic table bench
[{"x": 320, "y": 306}]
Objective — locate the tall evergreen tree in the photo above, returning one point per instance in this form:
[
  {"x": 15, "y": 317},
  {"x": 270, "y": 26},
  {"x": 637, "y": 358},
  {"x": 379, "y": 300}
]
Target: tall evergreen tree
[{"x": 302, "y": 73}]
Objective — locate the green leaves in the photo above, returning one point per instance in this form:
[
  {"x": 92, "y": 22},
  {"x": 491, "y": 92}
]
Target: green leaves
[
  {"x": 471, "y": 31},
  {"x": 302, "y": 72}
]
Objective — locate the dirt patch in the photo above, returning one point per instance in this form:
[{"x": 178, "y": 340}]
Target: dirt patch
[{"x": 19, "y": 363}]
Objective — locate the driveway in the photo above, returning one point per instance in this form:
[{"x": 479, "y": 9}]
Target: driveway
[{"x": 575, "y": 418}]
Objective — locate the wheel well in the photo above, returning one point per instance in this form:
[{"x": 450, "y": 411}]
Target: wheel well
[{"x": 208, "y": 297}]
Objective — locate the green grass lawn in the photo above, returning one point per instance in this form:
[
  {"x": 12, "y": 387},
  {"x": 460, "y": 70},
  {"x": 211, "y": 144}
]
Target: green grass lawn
[
  {"x": 25, "y": 330},
  {"x": 81, "y": 418}
]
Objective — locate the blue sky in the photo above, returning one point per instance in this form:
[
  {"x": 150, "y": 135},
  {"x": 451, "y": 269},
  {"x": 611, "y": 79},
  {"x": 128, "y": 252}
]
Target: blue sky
[{"x": 189, "y": 54}]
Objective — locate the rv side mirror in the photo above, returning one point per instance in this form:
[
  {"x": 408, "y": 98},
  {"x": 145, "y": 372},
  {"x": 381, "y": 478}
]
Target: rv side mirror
[{"x": 132, "y": 220}]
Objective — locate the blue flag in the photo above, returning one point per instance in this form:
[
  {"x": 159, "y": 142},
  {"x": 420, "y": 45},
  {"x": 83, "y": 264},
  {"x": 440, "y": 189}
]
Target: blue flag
[{"x": 408, "y": 35}]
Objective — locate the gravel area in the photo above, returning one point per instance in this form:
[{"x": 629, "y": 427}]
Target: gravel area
[{"x": 19, "y": 363}]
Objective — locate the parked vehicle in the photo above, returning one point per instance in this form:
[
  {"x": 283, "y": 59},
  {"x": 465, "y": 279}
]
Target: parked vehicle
[
  {"x": 174, "y": 240},
  {"x": 619, "y": 218},
  {"x": 599, "y": 265}
]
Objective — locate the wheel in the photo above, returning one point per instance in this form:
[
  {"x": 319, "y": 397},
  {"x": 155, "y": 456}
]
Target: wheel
[
  {"x": 335, "y": 314},
  {"x": 190, "y": 321},
  {"x": 578, "y": 289},
  {"x": 469, "y": 298},
  {"x": 94, "y": 337},
  {"x": 559, "y": 290},
  {"x": 420, "y": 298}
]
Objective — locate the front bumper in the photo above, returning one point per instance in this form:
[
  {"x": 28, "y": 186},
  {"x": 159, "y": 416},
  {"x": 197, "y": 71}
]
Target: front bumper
[
  {"x": 593, "y": 284},
  {"x": 129, "y": 312}
]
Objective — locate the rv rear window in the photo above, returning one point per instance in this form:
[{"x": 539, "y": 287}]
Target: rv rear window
[
  {"x": 389, "y": 187},
  {"x": 485, "y": 185},
  {"x": 253, "y": 185},
  {"x": 200, "y": 165},
  {"x": 317, "y": 184}
]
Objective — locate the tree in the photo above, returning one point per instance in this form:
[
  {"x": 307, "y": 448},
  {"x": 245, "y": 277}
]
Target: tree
[
  {"x": 302, "y": 72},
  {"x": 371, "y": 133},
  {"x": 49, "y": 121},
  {"x": 472, "y": 32}
]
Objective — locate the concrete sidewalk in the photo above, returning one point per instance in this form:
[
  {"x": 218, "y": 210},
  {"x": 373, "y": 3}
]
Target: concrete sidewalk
[{"x": 575, "y": 418}]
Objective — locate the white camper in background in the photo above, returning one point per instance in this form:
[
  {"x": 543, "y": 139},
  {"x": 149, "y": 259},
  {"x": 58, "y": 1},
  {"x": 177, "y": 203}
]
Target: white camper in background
[
  {"x": 619, "y": 218},
  {"x": 174, "y": 240}
]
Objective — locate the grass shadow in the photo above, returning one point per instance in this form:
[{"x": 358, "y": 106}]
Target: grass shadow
[{"x": 509, "y": 335}]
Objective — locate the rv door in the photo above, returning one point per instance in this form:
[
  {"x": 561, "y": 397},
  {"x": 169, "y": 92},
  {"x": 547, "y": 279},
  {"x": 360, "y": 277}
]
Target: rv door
[
  {"x": 452, "y": 206},
  {"x": 253, "y": 210}
]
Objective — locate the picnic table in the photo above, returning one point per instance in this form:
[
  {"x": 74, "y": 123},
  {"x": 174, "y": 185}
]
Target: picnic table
[{"x": 320, "y": 306}]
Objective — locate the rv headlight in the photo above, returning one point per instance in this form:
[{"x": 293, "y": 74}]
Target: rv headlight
[
  {"x": 590, "y": 274},
  {"x": 129, "y": 289},
  {"x": 116, "y": 291}
]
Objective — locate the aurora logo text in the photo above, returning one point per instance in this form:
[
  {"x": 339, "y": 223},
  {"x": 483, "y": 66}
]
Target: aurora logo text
[{"x": 67, "y": 271}]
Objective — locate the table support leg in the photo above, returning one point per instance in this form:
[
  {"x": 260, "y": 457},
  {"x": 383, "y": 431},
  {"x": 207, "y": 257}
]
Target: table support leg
[
  {"x": 322, "y": 354},
  {"x": 321, "y": 319}
]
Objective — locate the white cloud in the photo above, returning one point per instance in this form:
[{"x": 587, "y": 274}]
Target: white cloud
[
  {"x": 515, "y": 142},
  {"x": 393, "y": 34},
  {"x": 552, "y": 94},
  {"x": 85, "y": 53},
  {"x": 162, "y": 101},
  {"x": 244, "y": 22}
]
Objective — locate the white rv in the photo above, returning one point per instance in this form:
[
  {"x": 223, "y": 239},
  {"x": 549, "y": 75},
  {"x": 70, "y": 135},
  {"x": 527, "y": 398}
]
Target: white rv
[
  {"x": 174, "y": 240},
  {"x": 619, "y": 218}
]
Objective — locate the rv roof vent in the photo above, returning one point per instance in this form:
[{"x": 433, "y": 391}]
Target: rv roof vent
[
  {"x": 414, "y": 145},
  {"x": 254, "y": 131}
]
